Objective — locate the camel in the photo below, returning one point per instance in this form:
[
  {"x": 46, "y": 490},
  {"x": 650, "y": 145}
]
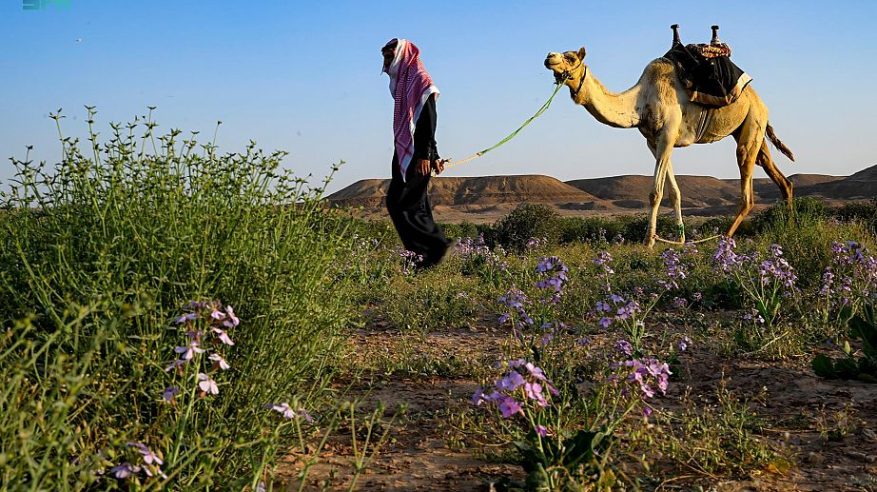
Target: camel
[{"x": 659, "y": 107}]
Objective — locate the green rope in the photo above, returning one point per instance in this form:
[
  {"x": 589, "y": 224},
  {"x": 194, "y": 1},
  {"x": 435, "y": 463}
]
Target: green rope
[
  {"x": 512, "y": 135},
  {"x": 526, "y": 123}
]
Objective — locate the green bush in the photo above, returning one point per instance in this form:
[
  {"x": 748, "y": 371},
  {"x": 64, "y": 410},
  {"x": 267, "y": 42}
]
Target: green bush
[
  {"x": 103, "y": 252},
  {"x": 526, "y": 222}
]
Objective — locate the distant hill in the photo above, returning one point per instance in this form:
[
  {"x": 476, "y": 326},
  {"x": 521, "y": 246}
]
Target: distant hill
[
  {"x": 480, "y": 199},
  {"x": 487, "y": 190}
]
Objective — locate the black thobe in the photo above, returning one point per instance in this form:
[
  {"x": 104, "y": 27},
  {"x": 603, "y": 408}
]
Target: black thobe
[{"x": 408, "y": 201}]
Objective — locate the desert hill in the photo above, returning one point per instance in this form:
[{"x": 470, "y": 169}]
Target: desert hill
[
  {"x": 480, "y": 191},
  {"x": 487, "y": 197}
]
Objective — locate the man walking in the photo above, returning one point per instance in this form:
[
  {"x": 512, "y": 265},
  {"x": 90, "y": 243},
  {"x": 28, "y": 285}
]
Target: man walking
[{"x": 416, "y": 154}]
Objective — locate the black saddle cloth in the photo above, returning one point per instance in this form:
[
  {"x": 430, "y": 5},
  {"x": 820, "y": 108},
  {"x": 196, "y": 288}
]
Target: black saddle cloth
[{"x": 708, "y": 74}]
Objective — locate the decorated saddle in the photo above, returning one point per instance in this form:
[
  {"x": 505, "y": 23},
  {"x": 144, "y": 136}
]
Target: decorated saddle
[{"x": 706, "y": 70}]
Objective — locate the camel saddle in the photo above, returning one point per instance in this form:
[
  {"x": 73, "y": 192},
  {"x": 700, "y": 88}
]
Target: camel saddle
[{"x": 706, "y": 70}]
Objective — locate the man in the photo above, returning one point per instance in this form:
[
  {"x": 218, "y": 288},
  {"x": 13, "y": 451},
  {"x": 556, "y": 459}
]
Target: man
[{"x": 416, "y": 154}]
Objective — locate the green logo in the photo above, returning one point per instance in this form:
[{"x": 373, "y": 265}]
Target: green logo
[{"x": 42, "y": 4}]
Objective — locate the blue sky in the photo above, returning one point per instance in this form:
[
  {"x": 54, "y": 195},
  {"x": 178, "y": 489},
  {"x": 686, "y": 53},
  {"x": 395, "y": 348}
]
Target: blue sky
[{"x": 305, "y": 77}]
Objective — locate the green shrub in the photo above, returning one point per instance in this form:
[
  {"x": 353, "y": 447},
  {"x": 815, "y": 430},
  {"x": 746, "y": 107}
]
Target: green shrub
[
  {"x": 526, "y": 222},
  {"x": 103, "y": 252}
]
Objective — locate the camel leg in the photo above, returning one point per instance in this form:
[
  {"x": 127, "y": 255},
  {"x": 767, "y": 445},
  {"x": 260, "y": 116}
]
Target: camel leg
[
  {"x": 749, "y": 140},
  {"x": 662, "y": 151},
  {"x": 677, "y": 202},
  {"x": 782, "y": 182}
]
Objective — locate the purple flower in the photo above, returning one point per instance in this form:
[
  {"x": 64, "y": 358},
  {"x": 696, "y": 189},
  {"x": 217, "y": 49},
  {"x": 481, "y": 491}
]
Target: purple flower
[
  {"x": 534, "y": 392},
  {"x": 512, "y": 381},
  {"x": 680, "y": 303},
  {"x": 508, "y": 406},
  {"x": 219, "y": 361},
  {"x": 647, "y": 412},
  {"x": 223, "y": 336},
  {"x": 169, "y": 393},
  {"x": 148, "y": 456},
  {"x": 177, "y": 364},
  {"x": 284, "y": 409},
  {"x": 189, "y": 351},
  {"x": 602, "y": 260},
  {"x": 646, "y": 371},
  {"x": 124, "y": 470},
  {"x": 697, "y": 297},
  {"x": 185, "y": 319},
  {"x": 605, "y": 322},
  {"x": 683, "y": 344},
  {"x": 541, "y": 430},
  {"x": 207, "y": 385},
  {"x": 725, "y": 257},
  {"x": 231, "y": 321},
  {"x": 478, "y": 397},
  {"x": 624, "y": 347}
]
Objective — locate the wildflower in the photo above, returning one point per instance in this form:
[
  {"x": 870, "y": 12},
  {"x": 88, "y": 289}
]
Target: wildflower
[
  {"x": 231, "y": 321},
  {"x": 627, "y": 310},
  {"x": 189, "y": 351},
  {"x": 148, "y": 456},
  {"x": 754, "y": 317},
  {"x": 186, "y": 318},
  {"x": 647, "y": 412},
  {"x": 512, "y": 381},
  {"x": 602, "y": 260},
  {"x": 683, "y": 344},
  {"x": 508, "y": 406},
  {"x": 284, "y": 409},
  {"x": 124, "y": 470},
  {"x": 697, "y": 296},
  {"x": 647, "y": 370},
  {"x": 177, "y": 364},
  {"x": 725, "y": 256},
  {"x": 169, "y": 393},
  {"x": 605, "y": 322},
  {"x": 222, "y": 336},
  {"x": 534, "y": 392},
  {"x": 624, "y": 347},
  {"x": 219, "y": 362},
  {"x": 680, "y": 303},
  {"x": 541, "y": 430},
  {"x": 207, "y": 385}
]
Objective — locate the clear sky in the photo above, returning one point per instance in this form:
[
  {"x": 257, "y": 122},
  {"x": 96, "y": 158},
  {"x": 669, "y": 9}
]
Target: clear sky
[{"x": 305, "y": 77}]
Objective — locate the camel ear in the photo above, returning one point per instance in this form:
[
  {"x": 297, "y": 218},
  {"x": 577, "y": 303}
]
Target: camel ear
[{"x": 582, "y": 53}]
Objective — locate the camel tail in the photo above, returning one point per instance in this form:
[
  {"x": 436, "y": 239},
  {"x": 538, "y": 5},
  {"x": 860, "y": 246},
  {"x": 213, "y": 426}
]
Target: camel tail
[{"x": 779, "y": 143}]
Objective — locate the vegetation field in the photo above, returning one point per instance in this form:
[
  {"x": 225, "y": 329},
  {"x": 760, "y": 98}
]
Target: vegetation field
[{"x": 176, "y": 318}]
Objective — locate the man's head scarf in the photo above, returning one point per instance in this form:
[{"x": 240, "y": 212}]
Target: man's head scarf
[{"x": 410, "y": 86}]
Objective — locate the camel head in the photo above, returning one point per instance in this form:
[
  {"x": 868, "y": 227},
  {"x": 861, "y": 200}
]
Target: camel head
[{"x": 566, "y": 65}]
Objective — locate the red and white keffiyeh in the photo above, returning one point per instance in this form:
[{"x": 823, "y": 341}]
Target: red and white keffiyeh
[{"x": 410, "y": 86}]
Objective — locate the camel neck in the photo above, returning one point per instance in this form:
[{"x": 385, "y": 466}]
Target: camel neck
[{"x": 618, "y": 110}]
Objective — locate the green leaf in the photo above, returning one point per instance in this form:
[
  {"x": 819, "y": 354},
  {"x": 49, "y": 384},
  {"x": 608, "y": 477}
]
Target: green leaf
[{"x": 823, "y": 366}]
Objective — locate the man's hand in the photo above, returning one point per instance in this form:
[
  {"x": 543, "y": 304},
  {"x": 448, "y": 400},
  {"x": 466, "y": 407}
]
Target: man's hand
[
  {"x": 424, "y": 167},
  {"x": 438, "y": 165}
]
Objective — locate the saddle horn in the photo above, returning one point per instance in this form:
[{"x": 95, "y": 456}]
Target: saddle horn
[
  {"x": 715, "y": 39},
  {"x": 676, "y": 39}
]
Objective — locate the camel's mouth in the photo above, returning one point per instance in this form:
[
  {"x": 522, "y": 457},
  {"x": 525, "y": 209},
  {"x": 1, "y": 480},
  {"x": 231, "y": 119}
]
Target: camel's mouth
[{"x": 551, "y": 63}]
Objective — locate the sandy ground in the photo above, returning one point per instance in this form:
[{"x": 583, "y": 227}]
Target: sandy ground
[{"x": 793, "y": 402}]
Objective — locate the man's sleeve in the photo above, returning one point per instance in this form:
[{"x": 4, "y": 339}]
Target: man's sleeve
[{"x": 424, "y": 134}]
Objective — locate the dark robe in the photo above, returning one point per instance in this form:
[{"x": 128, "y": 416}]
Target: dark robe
[{"x": 408, "y": 201}]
